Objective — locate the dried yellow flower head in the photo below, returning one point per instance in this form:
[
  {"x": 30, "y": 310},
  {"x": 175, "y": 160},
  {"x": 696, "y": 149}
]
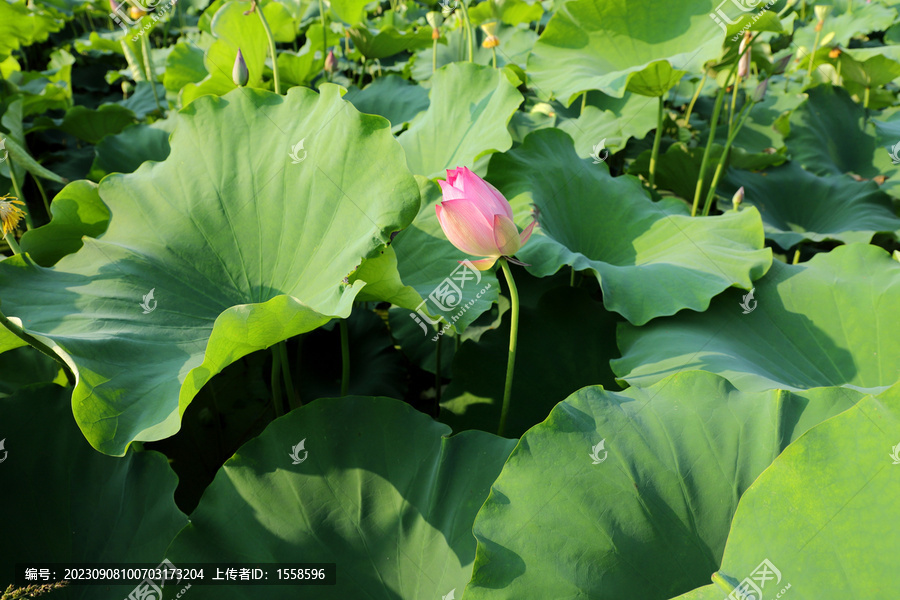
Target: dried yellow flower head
[
  {"x": 491, "y": 41},
  {"x": 10, "y": 214}
]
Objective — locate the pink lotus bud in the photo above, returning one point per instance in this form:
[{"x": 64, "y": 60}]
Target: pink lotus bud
[
  {"x": 330, "y": 62},
  {"x": 477, "y": 219},
  {"x": 239, "y": 73},
  {"x": 737, "y": 198}
]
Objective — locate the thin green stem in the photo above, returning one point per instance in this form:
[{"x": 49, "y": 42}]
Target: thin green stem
[
  {"x": 345, "y": 358},
  {"x": 276, "y": 382},
  {"x": 18, "y": 194},
  {"x": 40, "y": 188},
  {"x": 148, "y": 68},
  {"x": 437, "y": 371},
  {"x": 654, "y": 155},
  {"x": 513, "y": 338},
  {"x": 293, "y": 399},
  {"x": 583, "y": 102},
  {"x": 494, "y": 50},
  {"x": 469, "y": 35},
  {"x": 39, "y": 345},
  {"x": 13, "y": 244},
  {"x": 713, "y": 123},
  {"x": 271, "y": 40},
  {"x": 724, "y": 158},
  {"x": 690, "y": 108},
  {"x": 324, "y": 34},
  {"x": 812, "y": 55},
  {"x": 434, "y": 56},
  {"x": 734, "y": 90},
  {"x": 571, "y": 276}
]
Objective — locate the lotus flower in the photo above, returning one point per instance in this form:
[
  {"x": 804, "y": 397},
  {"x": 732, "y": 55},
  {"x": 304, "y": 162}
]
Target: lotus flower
[{"x": 477, "y": 219}]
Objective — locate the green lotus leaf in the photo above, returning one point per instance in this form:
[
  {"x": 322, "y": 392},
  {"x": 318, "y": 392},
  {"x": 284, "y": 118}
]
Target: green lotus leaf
[
  {"x": 565, "y": 343},
  {"x": 470, "y": 108},
  {"x": 73, "y": 504},
  {"x": 828, "y": 137},
  {"x": 392, "y": 97},
  {"x": 191, "y": 229},
  {"x": 126, "y": 151},
  {"x": 10, "y": 341},
  {"x": 796, "y": 205},
  {"x": 233, "y": 30},
  {"x": 381, "y": 490},
  {"x": 651, "y": 258},
  {"x": 26, "y": 366},
  {"x": 350, "y": 12},
  {"x": 93, "y": 125},
  {"x": 510, "y": 12},
  {"x": 608, "y": 45},
  {"x": 515, "y": 46},
  {"x": 824, "y": 509},
  {"x": 389, "y": 41},
  {"x": 184, "y": 65},
  {"x": 22, "y": 24},
  {"x": 826, "y": 322},
  {"x": 613, "y": 481},
  {"x": 614, "y": 120},
  {"x": 864, "y": 18},
  {"x": 77, "y": 211},
  {"x": 871, "y": 74}
]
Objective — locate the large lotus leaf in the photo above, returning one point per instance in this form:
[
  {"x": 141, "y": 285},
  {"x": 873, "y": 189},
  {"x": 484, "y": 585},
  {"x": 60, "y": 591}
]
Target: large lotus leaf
[
  {"x": 92, "y": 125},
  {"x": 233, "y": 30},
  {"x": 22, "y": 24},
  {"x": 825, "y": 513},
  {"x": 613, "y": 121},
  {"x": 828, "y": 137},
  {"x": 796, "y": 205},
  {"x": 66, "y": 502},
  {"x": 197, "y": 229},
  {"x": 392, "y": 97},
  {"x": 565, "y": 343},
  {"x": 77, "y": 211},
  {"x": 414, "y": 273},
  {"x": 649, "y": 516},
  {"x": 375, "y": 44},
  {"x": 470, "y": 108},
  {"x": 382, "y": 491},
  {"x": 651, "y": 258},
  {"x": 184, "y": 65},
  {"x": 124, "y": 153},
  {"x": 608, "y": 46},
  {"x": 827, "y": 322},
  {"x": 865, "y": 18},
  {"x": 510, "y": 12},
  {"x": 515, "y": 46}
]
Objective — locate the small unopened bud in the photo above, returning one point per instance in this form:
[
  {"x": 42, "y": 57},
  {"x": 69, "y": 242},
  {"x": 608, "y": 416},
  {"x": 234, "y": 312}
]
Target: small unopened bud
[
  {"x": 239, "y": 74},
  {"x": 114, "y": 6},
  {"x": 782, "y": 64},
  {"x": 760, "y": 92},
  {"x": 491, "y": 41},
  {"x": 737, "y": 198},
  {"x": 744, "y": 64},
  {"x": 330, "y": 62}
]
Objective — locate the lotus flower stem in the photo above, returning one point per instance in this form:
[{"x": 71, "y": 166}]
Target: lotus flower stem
[
  {"x": 43, "y": 193},
  {"x": 38, "y": 345},
  {"x": 148, "y": 67},
  {"x": 513, "y": 339},
  {"x": 654, "y": 154},
  {"x": 293, "y": 399},
  {"x": 470, "y": 36},
  {"x": 324, "y": 34},
  {"x": 437, "y": 372},
  {"x": 276, "y": 382},
  {"x": 18, "y": 194},
  {"x": 713, "y": 122},
  {"x": 271, "y": 40},
  {"x": 583, "y": 102},
  {"x": 345, "y": 358},
  {"x": 13, "y": 244},
  {"x": 724, "y": 158},
  {"x": 690, "y": 108},
  {"x": 434, "y": 58}
]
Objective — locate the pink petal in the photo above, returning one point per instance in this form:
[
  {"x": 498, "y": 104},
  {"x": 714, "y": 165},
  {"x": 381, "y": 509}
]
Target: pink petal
[
  {"x": 506, "y": 235},
  {"x": 488, "y": 198},
  {"x": 450, "y": 192},
  {"x": 466, "y": 227},
  {"x": 526, "y": 234},
  {"x": 483, "y": 264},
  {"x": 452, "y": 174}
]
